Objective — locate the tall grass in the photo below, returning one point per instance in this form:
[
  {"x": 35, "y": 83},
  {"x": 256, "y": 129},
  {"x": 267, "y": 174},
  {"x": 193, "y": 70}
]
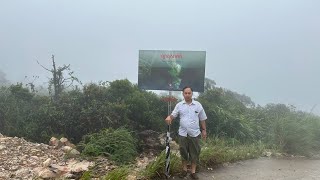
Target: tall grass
[
  {"x": 119, "y": 145},
  {"x": 216, "y": 151},
  {"x": 156, "y": 169},
  {"x": 120, "y": 173}
]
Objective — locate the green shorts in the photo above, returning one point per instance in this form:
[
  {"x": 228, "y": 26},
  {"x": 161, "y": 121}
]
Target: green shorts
[{"x": 190, "y": 148}]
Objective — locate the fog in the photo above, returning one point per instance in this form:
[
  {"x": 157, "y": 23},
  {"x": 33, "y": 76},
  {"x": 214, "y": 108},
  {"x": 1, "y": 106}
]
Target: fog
[{"x": 267, "y": 50}]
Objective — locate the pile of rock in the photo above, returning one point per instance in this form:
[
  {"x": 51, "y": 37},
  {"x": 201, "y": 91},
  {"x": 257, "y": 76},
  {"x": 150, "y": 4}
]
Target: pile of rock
[{"x": 20, "y": 159}]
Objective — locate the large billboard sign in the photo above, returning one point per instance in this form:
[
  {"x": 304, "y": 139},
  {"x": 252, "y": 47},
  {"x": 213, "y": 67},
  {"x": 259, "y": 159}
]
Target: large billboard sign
[{"x": 171, "y": 70}]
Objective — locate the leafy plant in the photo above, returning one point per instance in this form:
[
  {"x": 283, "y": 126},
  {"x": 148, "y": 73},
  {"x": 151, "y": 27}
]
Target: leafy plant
[
  {"x": 156, "y": 169},
  {"x": 119, "y": 145},
  {"x": 118, "y": 174}
]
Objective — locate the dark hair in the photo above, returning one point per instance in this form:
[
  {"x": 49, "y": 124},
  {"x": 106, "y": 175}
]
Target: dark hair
[{"x": 186, "y": 88}]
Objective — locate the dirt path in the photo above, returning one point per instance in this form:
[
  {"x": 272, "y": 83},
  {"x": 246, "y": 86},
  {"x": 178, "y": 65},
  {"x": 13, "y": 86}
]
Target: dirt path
[{"x": 266, "y": 169}]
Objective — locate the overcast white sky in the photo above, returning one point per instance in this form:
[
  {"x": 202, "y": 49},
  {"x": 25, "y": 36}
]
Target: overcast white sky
[{"x": 266, "y": 49}]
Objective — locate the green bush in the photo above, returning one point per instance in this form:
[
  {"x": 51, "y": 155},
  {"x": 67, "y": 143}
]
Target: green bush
[
  {"x": 86, "y": 175},
  {"x": 118, "y": 174},
  {"x": 79, "y": 111},
  {"x": 156, "y": 169},
  {"x": 119, "y": 145},
  {"x": 296, "y": 135},
  {"x": 217, "y": 151}
]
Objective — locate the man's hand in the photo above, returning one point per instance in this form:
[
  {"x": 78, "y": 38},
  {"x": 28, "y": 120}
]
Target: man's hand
[
  {"x": 204, "y": 134},
  {"x": 204, "y": 131},
  {"x": 168, "y": 120}
]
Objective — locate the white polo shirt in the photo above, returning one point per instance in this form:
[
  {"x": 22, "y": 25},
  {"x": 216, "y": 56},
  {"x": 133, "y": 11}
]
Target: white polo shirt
[{"x": 190, "y": 114}]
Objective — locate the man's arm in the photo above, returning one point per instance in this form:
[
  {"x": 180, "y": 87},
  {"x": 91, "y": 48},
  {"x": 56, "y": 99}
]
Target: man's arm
[
  {"x": 173, "y": 115},
  {"x": 203, "y": 129},
  {"x": 203, "y": 125}
]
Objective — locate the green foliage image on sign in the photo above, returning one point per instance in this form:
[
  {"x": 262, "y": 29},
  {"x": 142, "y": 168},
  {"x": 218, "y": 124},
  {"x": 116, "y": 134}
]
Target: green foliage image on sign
[{"x": 171, "y": 70}]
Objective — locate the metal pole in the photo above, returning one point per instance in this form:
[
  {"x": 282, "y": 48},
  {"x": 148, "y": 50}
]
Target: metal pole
[{"x": 168, "y": 138}]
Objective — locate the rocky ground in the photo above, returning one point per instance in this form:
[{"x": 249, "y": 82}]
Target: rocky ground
[{"x": 20, "y": 159}]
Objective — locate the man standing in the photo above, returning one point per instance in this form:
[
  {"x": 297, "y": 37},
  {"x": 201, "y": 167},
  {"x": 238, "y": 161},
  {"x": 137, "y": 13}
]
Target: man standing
[{"x": 191, "y": 113}]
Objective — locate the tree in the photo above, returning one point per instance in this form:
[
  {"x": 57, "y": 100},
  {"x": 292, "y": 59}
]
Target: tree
[
  {"x": 209, "y": 84},
  {"x": 58, "y": 82}
]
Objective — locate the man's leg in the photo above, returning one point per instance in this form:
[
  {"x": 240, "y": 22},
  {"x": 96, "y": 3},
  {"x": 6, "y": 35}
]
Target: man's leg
[
  {"x": 194, "y": 147},
  {"x": 183, "y": 147},
  {"x": 193, "y": 167},
  {"x": 185, "y": 165}
]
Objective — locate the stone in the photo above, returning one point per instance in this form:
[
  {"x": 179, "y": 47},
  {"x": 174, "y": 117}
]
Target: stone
[
  {"x": 131, "y": 177},
  {"x": 20, "y": 159},
  {"x": 63, "y": 140},
  {"x": 66, "y": 149},
  {"x": 74, "y": 152},
  {"x": 46, "y": 173},
  {"x": 2, "y": 147},
  {"x": 53, "y": 141},
  {"x": 70, "y": 145},
  {"x": 47, "y": 162},
  {"x": 267, "y": 153},
  {"x": 23, "y": 172}
]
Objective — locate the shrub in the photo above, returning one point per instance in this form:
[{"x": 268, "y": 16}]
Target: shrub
[
  {"x": 217, "y": 151},
  {"x": 118, "y": 174},
  {"x": 156, "y": 169},
  {"x": 119, "y": 145}
]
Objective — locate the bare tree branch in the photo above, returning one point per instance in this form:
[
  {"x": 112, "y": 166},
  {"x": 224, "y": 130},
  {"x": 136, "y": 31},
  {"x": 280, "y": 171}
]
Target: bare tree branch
[{"x": 43, "y": 66}]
